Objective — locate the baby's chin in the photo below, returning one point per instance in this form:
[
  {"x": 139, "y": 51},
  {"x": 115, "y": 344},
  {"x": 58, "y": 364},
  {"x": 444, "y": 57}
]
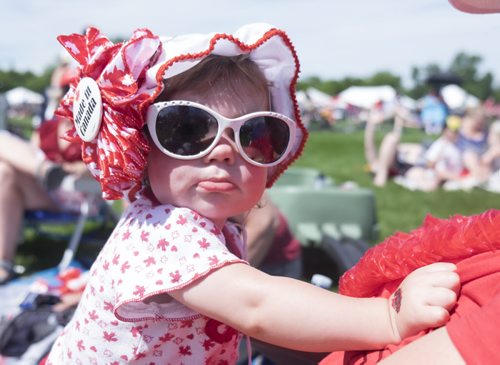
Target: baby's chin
[{"x": 218, "y": 213}]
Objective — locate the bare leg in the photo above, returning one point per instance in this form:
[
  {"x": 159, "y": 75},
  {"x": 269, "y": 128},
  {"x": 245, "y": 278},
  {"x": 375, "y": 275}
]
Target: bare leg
[
  {"x": 20, "y": 154},
  {"x": 370, "y": 148},
  {"x": 387, "y": 153},
  {"x": 375, "y": 117},
  {"x": 387, "y": 157},
  {"x": 28, "y": 159},
  {"x": 18, "y": 192}
]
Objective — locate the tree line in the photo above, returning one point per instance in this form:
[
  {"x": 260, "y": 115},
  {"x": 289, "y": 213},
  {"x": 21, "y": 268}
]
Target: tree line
[{"x": 464, "y": 66}]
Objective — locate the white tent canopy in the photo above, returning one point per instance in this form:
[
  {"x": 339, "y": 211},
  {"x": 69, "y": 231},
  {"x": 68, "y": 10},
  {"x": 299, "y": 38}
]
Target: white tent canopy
[
  {"x": 366, "y": 96},
  {"x": 314, "y": 98},
  {"x": 457, "y": 98},
  {"x": 22, "y": 96}
]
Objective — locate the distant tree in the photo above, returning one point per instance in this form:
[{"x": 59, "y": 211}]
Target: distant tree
[
  {"x": 333, "y": 87},
  {"x": 11, "y": 79},
  {"x": 467, "y": 68},
  {"x": 385, "y": 78},
  {"x": 419, "y": 77}
]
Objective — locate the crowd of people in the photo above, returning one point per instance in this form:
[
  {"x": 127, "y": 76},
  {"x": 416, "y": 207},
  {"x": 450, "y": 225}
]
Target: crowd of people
[{"x": 465, "y": 154}]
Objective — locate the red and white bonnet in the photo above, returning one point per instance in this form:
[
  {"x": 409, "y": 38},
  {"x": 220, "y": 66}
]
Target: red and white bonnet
[{"x": 127, "y": 77}]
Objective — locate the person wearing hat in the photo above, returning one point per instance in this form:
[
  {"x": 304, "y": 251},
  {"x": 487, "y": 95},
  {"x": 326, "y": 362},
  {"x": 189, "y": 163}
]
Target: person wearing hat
[{"x": 192, "y": 129}]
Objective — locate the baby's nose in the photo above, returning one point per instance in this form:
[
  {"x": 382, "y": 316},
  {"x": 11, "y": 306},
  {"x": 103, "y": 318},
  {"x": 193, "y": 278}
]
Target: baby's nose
[{"x": 225, "y": 150}]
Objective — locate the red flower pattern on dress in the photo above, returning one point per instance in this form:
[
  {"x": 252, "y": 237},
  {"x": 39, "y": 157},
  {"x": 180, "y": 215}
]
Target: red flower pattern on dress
[
  {"x": 80, "y": 345},
  {"x": 188, "y": 333},
  {"x": 126, "y": 235},
  {"x": 125, "y": 266},
  {"x": 204, "y": 244},
  {"x": 166, "y": 337},
  {"x": 213, "y": 260},
  {"x": 175, "y": 276},
  {"x": 139, "y": 290},
  {"x": 108, "y": 306},
  {"x": 185, "y": 350},
  {"x": 150, "y": 261},
  {"x": 109, "y": 336},
  {"x": 181, "y": 221},
  {"x": 144, "y": 236},
  {"x": 219, "y": 332},
  {"x": 163, "y": 244},
  {"x": 93, "y": 315}
]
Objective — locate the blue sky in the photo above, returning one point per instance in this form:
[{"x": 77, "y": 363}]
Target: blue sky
[{"x": 333, "y": 38}]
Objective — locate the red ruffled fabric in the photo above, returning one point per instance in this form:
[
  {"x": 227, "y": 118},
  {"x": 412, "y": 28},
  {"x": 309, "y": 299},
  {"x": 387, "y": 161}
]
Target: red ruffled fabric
[
  {"x": 117, "y": 156},
  {"x": 436, "y": 240}
]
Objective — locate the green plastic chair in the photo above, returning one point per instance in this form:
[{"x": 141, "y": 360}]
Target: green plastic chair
[
  {"x": 340, "y": 223},
  {"x": 338, "y": 213}
]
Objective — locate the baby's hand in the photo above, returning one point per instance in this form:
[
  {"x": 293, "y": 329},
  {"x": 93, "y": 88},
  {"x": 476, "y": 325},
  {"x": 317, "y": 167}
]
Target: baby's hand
[{"x": 424, "y": 298}]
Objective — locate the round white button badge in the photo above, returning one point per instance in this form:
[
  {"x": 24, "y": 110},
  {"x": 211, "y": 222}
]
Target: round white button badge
[{"x": 87, "y": 109}]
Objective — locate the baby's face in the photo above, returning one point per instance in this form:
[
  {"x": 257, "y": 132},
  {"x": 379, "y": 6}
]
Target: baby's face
[{"x": 219, "y": 185}]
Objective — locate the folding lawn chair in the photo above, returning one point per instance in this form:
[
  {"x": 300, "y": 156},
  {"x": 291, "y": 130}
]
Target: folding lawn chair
[
  {"x": 339, "y": 222},
  {"x": 93, "y": 209},
  {"x": 28, "y": 325}
]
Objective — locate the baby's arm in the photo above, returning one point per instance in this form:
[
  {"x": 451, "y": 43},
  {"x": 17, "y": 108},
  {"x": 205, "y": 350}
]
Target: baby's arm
[{"x": 297, "y": 315}]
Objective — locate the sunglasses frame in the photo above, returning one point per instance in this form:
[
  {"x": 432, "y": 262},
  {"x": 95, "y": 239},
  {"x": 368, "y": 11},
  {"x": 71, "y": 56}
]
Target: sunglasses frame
[{"x": 223, "y": 124}]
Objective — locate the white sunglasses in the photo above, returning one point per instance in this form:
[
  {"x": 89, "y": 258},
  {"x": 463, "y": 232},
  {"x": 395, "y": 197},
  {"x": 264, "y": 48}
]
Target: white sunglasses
[{"x": 187, "y": 130}]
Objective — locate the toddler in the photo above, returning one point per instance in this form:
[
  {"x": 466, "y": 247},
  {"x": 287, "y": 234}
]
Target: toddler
[{"x": 192, "y": 129}]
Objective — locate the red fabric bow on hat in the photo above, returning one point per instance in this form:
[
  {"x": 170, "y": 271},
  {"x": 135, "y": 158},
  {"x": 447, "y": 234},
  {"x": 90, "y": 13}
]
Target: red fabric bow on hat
[{"x": 117, "y": 156}]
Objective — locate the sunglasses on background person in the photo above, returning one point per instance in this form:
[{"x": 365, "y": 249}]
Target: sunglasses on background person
[{"x": 187, "y": 130}]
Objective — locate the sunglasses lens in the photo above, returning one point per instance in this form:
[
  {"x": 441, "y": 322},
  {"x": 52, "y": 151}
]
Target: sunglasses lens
[
  {"x": 184, "y": 130},
  {"x": 265, "y": 139}
]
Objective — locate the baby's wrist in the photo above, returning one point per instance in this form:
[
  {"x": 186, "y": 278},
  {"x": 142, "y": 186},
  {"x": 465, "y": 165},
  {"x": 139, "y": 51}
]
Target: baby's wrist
[{"x": 393, "y": 309}]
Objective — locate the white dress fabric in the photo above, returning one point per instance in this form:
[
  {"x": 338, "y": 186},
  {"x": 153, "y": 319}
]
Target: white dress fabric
[{"x": 153, "y": 250}]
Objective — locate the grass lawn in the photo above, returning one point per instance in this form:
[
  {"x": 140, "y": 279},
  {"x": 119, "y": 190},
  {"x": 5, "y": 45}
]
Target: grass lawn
[{"x": 341, "y": 156}]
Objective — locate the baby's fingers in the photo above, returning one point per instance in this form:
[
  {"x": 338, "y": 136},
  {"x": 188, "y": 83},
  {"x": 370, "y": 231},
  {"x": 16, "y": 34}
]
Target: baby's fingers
[
  {"x": 438, "y": 266},
  {"x": 445, "y": 279},
  {"x": 436, "y": 317},
  {"x": 442, "y": 297}
]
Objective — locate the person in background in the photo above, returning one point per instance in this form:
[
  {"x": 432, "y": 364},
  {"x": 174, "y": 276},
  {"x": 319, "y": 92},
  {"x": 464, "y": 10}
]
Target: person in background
[
  {"x": 31, "y": 173},
  {"x": 392, "y": 158},
  {"x": 434, "y": 112},
  {"x": 473, "y": 143},
  {"x": 272, "y": 247},
  {"x": 491, "y": 158},
  {"x": 442, "y": 162}
]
